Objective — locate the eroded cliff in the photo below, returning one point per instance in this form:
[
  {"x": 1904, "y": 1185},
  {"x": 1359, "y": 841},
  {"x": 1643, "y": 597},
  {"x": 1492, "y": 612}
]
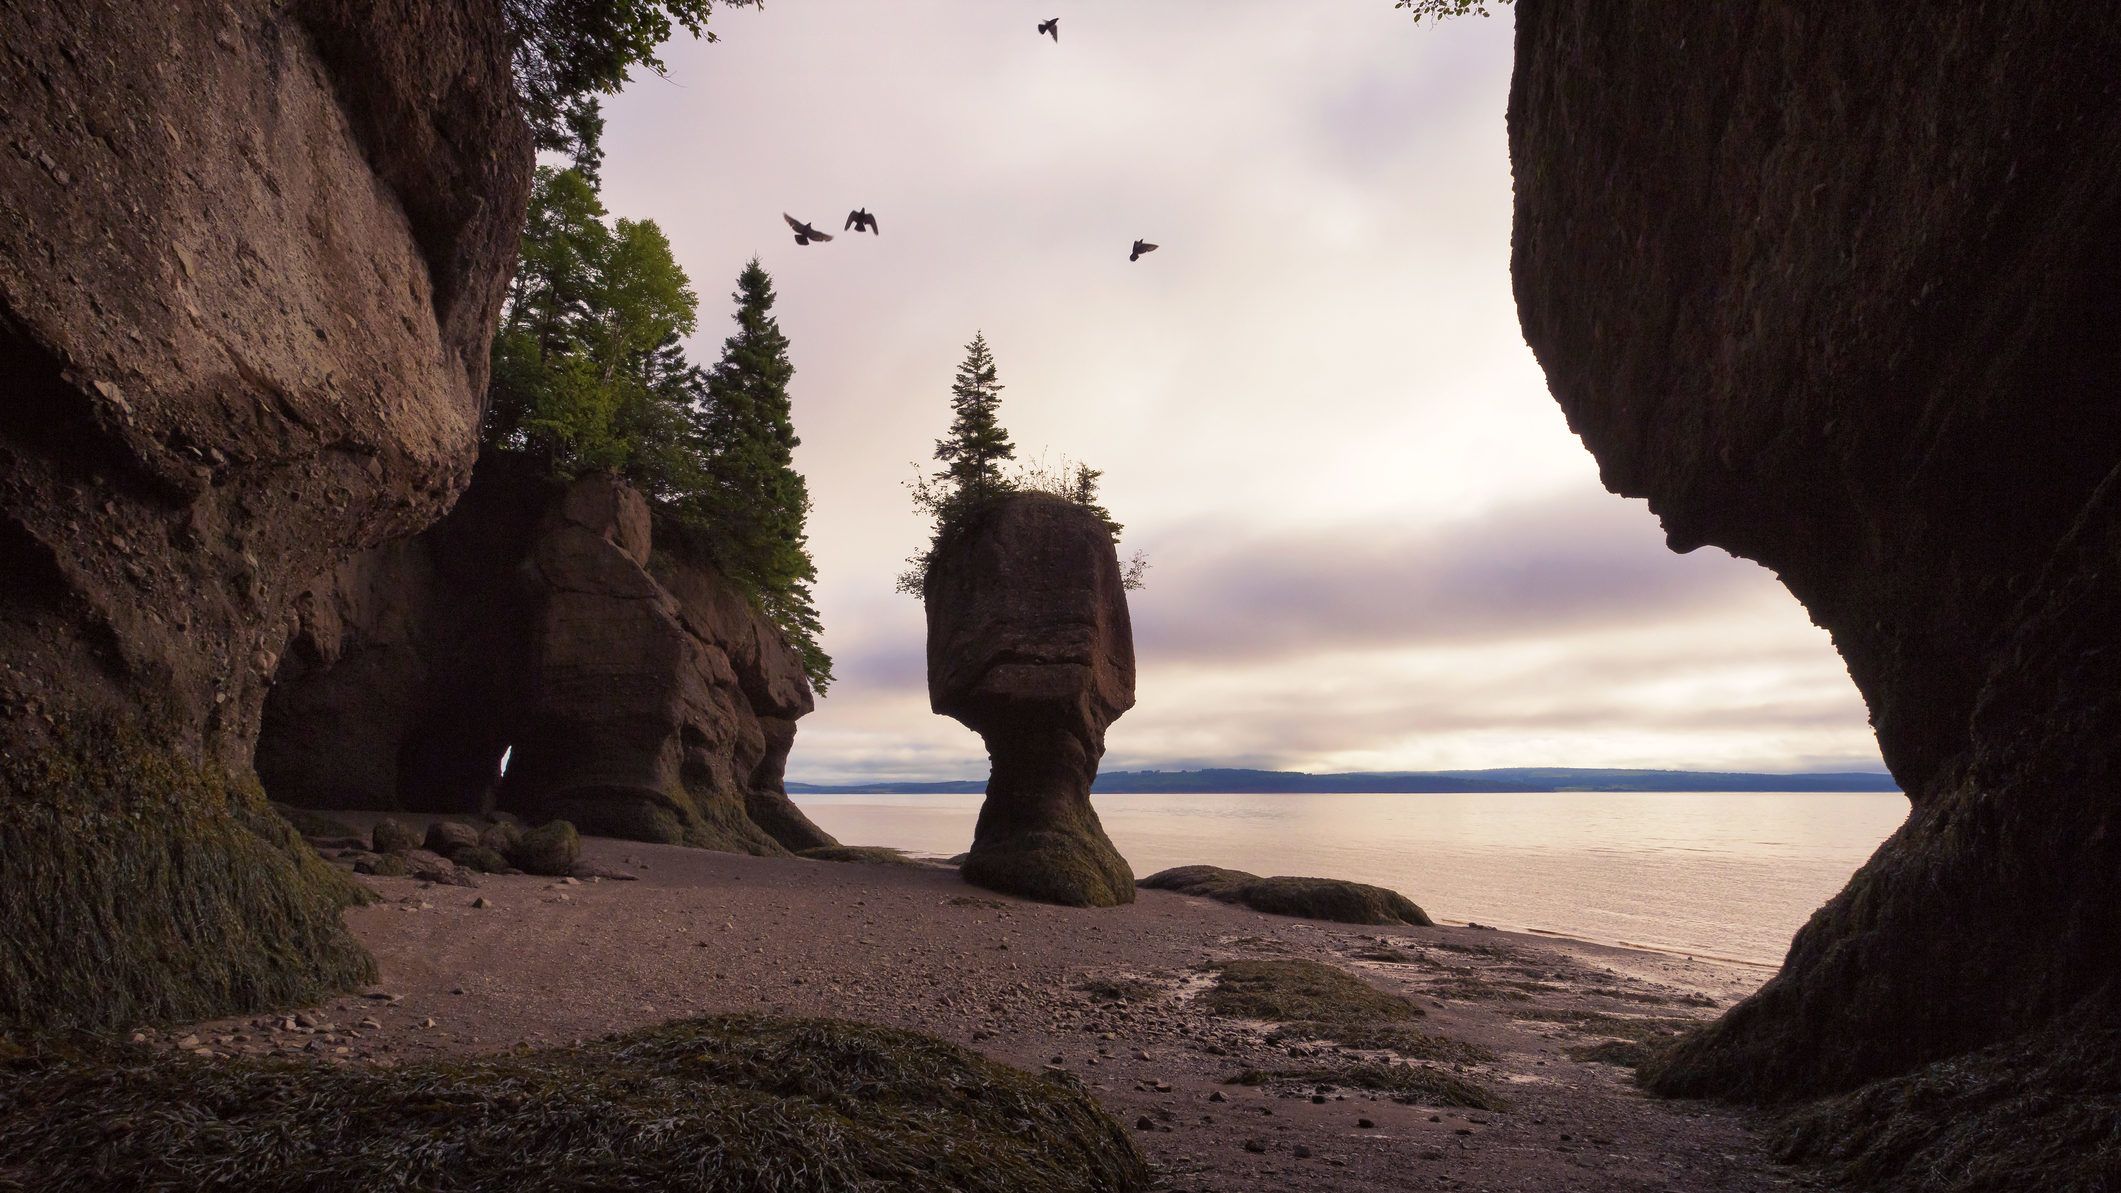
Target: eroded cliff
[
  {"x": 1833, "y": 288},
  {"x": 250, "y": 257},
  {"x": 636, "y": 692}
]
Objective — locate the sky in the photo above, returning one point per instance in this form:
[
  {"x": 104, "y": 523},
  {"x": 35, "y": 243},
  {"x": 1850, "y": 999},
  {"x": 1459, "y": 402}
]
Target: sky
[{"x": 1374, "y": 543}]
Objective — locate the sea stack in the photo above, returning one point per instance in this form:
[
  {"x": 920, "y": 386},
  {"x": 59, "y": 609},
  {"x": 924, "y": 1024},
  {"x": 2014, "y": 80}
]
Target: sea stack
[{"x": 1030, "y": 646}]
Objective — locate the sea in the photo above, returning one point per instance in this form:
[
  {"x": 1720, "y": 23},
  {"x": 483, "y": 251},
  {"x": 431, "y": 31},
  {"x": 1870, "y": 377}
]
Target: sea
[{"x": 1727, "y": 875}]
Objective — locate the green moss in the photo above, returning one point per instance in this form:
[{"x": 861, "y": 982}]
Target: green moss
[
  {"x": 1402, "y": 1038},
  {"x": 635, "y": 814},
  {"x": 385, "y": 865},
  {"x": 551, "y": 848},
  {"x": 731, "y": 1103},
  {"x": 1292, "y": 991},
  {"x": 316, "y": 825},
  {"x": 480, "y": 858},
  {"x": 391, "y": 837},
  {"x": 1050, "y": 866},
  {"x": 2043, "y": 1112},
  {"x": 875, "y": 855},
  {"x": 1330, "y": 899},
  {"x": 140, "y": 887},
  {"x": 1422, "y": 1085}
]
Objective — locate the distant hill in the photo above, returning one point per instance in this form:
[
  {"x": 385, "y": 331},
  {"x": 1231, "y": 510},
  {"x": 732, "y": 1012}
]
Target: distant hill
[{"x": 1500, "y": 779}]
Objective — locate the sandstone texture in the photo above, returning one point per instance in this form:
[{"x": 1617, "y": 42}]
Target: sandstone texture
[
  {"x": 1030, "y": 646},
  {"x": 250, "y": 257},
  {"x": 636, "y": 692},
  {"x": 1834, "y": 288}
]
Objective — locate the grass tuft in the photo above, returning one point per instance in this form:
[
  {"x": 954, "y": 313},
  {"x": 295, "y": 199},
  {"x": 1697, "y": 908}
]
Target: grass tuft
[{"x": 743, "y": 1104}]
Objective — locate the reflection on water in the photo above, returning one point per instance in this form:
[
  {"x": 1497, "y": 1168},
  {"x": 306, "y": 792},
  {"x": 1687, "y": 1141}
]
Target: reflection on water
[{"x": 1722, "y": 874}]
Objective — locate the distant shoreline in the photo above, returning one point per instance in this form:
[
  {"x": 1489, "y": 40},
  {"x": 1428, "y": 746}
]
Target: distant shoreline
[{"x": 1499, "y": 781}]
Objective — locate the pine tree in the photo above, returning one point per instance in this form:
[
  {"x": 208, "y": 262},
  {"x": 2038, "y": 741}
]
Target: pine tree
[
  {"x": 755, "y": 503},
  {"x": 977, "y": 444}
]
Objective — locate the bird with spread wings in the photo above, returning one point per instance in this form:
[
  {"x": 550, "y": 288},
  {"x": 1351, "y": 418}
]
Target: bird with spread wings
[
  {"x": 804, "y": 233},
  {"x": 861, "y": 221}
]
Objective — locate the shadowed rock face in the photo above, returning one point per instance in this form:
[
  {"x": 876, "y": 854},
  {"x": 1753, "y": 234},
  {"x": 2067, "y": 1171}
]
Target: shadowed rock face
[
  {"x": 250, "y": 257},
  {"x": 1029, "y": 645},
  {"x": 642, "y": 694},
  {"x": 1834, "y": 288}
]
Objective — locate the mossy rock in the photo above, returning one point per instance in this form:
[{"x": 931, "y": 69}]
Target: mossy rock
[
  {"x": 447, "y": 836},
  {"x": 1299, "y": 991},
  {"x": 391, "y": 837},
  {"x": 482, "y": 859},
  {"x": 729, "y": 1104},
  {"x": 138, "y": 886},
  {"x": 1332, "y": 899},
  {"x": 315, "y": 825},
  {"x": 501, "y": 836},
  {"x": 384, "y": 865},
  {"x": 634, "y": 814},
  {"x": 874, "y": 855},
  {"x": 1051, "y": 866},
  {"x": 551, "y": 848}
]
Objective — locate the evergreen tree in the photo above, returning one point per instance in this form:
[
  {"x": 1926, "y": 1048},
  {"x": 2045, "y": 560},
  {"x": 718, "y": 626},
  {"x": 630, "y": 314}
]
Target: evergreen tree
[
  {"x": 977, "y": 444},
  {"x": 755, "y": 501}
]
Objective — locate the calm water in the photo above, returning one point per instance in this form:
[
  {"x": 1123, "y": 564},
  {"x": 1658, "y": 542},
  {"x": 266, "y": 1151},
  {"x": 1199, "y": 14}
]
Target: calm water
[{"x": 1721, "y": 874}]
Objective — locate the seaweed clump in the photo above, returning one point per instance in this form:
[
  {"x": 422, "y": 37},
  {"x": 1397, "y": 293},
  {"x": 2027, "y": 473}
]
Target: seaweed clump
[
  {"x": 740, "y": 1103},
  {"x": 1423, "y": 1085},
  {"x": 137, "y": 886},
  {"x": 2041, "y": 1113},
  {"x": 1300, "y": 991},
  {"x": 874, "y": 855},
  {"x": 1331, "y": 899}
]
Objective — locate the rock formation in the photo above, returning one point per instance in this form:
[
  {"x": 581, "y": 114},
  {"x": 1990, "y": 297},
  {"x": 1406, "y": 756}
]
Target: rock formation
[
  {"x": 250, "y": 257},
  {"x": 1029, "y": 645},
  {"x": 1833, "y": 287},
  {"x": 642, "y": 694}
]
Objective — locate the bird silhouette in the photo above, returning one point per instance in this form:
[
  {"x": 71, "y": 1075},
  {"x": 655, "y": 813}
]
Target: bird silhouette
[
  {"x": 1140, "y": 247},
  {"x": 1052, "y": 27},
  {"x": 862, "y": 221},
  {"x": 804, "y": 233}
]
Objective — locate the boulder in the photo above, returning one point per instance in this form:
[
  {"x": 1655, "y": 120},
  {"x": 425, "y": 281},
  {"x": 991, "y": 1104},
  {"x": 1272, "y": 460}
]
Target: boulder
[
  {"x": 1331, "y": 899},
  {"x": 1029, "y": 645},
  {"x": 447, "y": 836},
  {"x": 551, "y": 849},
  {"x": 1833, "y": 287},
  {"x": 251, "y": 254},
  {"x": 391, "y": 837}
]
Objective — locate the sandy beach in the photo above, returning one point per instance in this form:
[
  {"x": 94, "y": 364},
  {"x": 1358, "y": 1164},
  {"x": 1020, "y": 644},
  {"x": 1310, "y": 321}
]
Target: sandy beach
[{"x": 1109, "y": 996}]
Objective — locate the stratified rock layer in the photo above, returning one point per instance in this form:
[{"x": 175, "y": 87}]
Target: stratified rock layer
[
  {"x": 1833, "y": 287},
  {"x": 1030, "y": 646},
  {"x": 250, "y": 257},
  {"x": 642, "y": 694}
]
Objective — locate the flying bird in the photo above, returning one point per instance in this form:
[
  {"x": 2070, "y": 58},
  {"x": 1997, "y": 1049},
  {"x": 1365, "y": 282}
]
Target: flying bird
[
  {"x": 1052, "y": 27},
  {"x": 1140, "y": 247},
  {"x": 861, "y": 221},
  {"x": 804, "y": 233}
]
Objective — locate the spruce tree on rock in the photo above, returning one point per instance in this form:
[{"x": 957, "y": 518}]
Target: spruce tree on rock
[
  {"x": 755, "y": 500},
  {"x": 977, "y": 444}
]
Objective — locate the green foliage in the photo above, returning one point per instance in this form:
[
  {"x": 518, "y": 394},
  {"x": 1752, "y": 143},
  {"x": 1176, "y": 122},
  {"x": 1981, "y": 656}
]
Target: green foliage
[
  {"x": 569, "y": 53},
  {"x": 139, "y": 886},
  {"x": 735, "y": 1103},
  {"x": 753, "y": 500},
  {"x": 589, "y": 376},
  {"x": 1437, "y": 10},
  {"x": 973, "y": 475}
]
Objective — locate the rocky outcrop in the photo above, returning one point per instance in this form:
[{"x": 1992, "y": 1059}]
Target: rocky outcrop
[
  {"x": 637, "y": 692},
  {"x": 1832, "y": 287},
  {"x": 1334, "y": 899},
  {"x": 250, "y": 256},
  {"x": 1030, "y": 646}
]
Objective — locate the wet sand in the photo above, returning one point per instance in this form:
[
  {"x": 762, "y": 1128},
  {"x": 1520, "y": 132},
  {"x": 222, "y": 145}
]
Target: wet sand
[{"x": 553, "y": 961}]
